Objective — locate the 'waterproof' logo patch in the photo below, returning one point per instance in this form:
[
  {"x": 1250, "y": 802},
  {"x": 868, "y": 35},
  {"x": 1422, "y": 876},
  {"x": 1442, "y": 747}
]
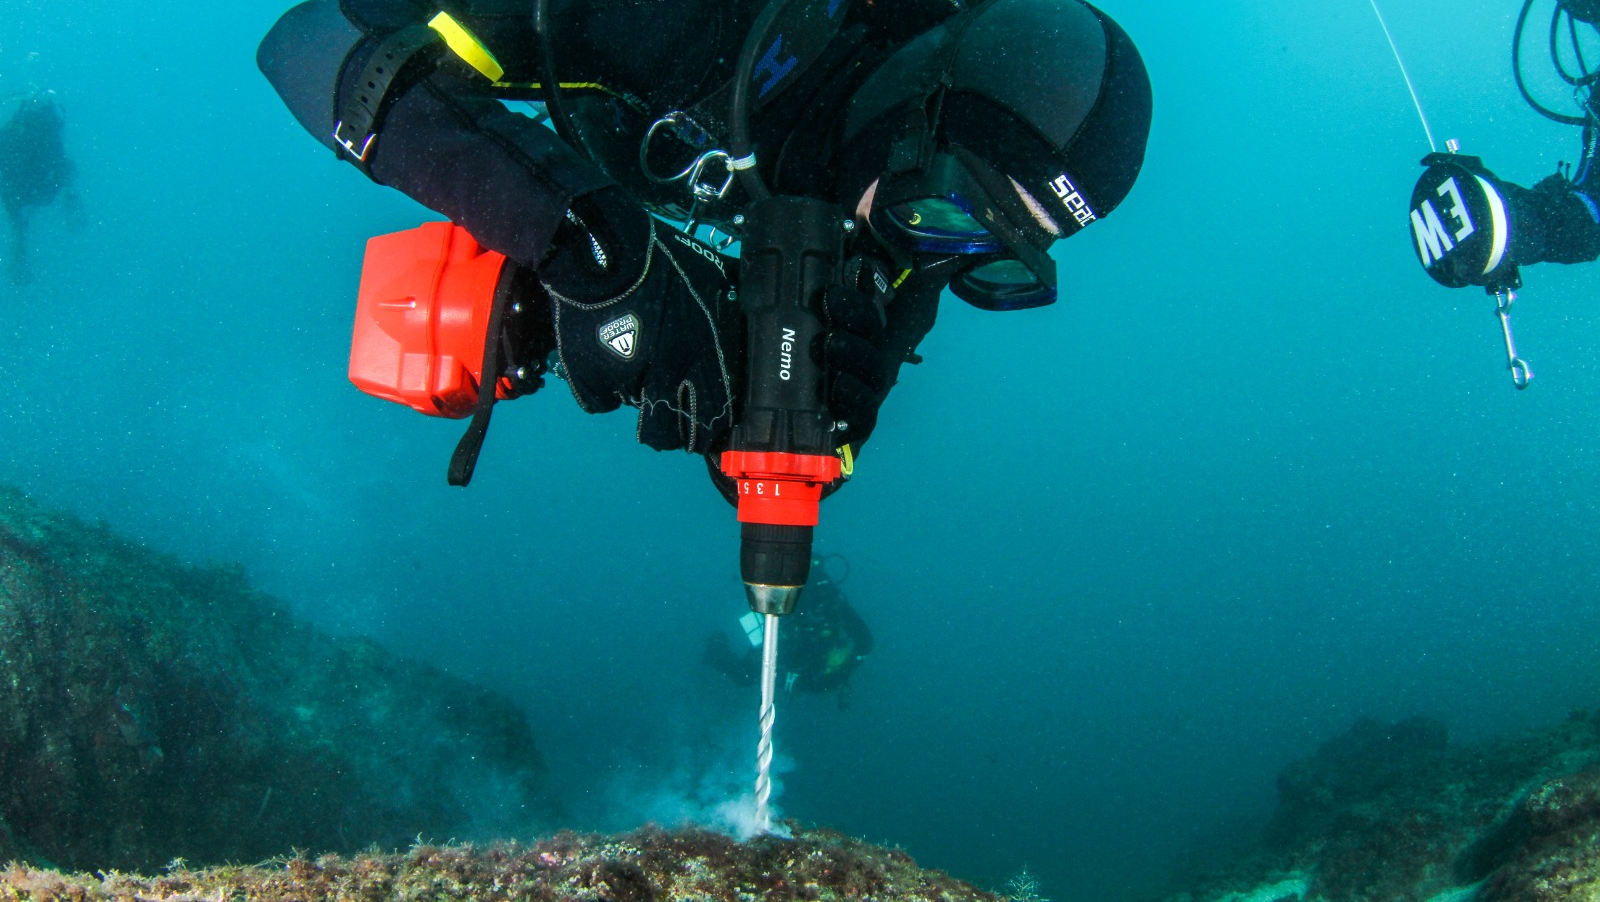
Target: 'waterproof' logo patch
[{"x": 621, "y": 335}]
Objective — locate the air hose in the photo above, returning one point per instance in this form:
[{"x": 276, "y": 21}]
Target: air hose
[
  {"x": 559, "y": 118},
  {"x": 744, "y": 160}
]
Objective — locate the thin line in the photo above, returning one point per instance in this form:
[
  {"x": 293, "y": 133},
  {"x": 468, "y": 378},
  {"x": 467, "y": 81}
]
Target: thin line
[{"x": 1406, "y": 75}]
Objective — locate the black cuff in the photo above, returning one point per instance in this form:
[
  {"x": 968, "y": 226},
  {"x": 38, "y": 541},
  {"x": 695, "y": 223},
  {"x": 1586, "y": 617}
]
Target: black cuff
[
  {"x": 600, "y": 247},
  {"x": 1551, "y": 223}
]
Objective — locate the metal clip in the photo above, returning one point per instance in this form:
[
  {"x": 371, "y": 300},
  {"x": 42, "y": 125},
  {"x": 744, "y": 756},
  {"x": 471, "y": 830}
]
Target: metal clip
[
  {"x": 1521, "y": 373},
  {"x": 701, "y": 187},
  {"x": 722, "y": 243},
  {"x": 706, "y": 190}
]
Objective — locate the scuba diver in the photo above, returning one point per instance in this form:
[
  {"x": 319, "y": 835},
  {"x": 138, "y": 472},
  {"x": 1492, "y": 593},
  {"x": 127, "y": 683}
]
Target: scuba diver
[
  {"x": 1471, "y": 227},
  {"x": 825, "y": 640},
  {"x": 34, "y": 171},
  {"x": 964, "y": 139}
]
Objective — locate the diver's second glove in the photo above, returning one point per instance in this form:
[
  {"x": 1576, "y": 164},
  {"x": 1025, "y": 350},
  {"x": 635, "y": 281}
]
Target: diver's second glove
[
  {"x": 869, "y": 331},
  {"x": 643, "y": 316}
]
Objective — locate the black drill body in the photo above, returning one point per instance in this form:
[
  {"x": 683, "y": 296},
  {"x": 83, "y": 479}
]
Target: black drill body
[{"x": 792, "y": 253}]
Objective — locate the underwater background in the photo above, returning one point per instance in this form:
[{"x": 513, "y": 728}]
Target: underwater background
[{"x": 1254, "y": 477}]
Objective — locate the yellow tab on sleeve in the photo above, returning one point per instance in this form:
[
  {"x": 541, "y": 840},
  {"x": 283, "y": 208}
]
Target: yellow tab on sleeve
[{"x": 467, "y": 46}]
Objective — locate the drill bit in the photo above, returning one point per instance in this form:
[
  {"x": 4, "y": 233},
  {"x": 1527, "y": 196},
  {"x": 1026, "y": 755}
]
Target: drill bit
[{"x": 769, "y": 681}]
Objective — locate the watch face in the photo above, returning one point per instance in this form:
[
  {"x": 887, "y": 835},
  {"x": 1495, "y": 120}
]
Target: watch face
[{"x": 1459, "y": 226}]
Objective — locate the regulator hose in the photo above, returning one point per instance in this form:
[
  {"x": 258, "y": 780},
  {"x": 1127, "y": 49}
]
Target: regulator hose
[
  {"x": 739, "y": 128},
  {"x": 552, "y": 87},
  {"x": 1585, "y": 79}
]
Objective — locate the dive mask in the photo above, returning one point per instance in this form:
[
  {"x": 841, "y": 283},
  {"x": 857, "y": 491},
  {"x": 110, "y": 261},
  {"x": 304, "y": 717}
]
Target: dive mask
[{"x": 959, "y": 207}]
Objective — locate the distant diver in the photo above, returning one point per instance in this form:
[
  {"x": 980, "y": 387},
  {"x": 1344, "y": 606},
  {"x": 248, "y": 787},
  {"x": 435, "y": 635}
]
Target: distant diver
[
  {"x": 825, "y": 640},
  {"x": 34, "y": 171},
  {"x": 1471, "y": 227}
]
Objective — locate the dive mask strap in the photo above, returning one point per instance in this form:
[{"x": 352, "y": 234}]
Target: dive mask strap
[
  {"x": 1009, "y": 218},
  {"x": 989, "y": 197}
]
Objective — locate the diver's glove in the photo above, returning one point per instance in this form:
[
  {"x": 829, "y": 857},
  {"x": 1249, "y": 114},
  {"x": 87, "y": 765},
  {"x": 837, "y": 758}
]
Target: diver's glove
[
  {"x": 869, "y": 330},
  {"x": 643, "y": 316}
]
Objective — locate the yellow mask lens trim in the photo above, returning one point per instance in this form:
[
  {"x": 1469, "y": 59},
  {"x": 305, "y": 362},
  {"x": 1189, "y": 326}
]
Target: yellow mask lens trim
[{"x": 467, "y": 46}]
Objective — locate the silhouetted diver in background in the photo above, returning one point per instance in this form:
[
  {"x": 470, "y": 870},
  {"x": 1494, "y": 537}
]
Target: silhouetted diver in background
[
  {"x": 34, "y": 171},
  {"x": 825, "y": 641}
]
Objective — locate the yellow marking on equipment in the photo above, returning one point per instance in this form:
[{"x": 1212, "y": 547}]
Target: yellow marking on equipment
[
  {"x": 565, "y": 86},
  {"x": 467, "y": 46},
  {"x": 903, "y": 276},
  {"x": 847, "y": 462}
]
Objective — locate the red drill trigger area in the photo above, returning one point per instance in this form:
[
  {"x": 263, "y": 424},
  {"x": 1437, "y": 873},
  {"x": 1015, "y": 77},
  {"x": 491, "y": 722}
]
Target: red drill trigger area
[{"x": 779, "y": 489}]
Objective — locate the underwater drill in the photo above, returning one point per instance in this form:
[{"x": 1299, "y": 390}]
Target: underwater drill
[{"x": 782, "y": 452}]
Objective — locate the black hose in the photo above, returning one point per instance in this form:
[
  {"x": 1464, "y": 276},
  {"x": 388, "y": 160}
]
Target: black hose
[
  {"x": 1577, "y": 46},
  {"x": 1516, "y": 68},
  {"x": 552, "y": 88},
  {"x": 1584, "y": 76},
  {"x": 1589, "y": 76},
  {"x": 739, "y": 128},
  {"x": 828, "y": 574},
  {"x": 1555, "y": 48}
]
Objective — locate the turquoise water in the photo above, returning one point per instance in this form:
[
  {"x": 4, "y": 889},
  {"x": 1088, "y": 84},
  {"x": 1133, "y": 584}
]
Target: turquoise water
[{"x": 1254, "y": 477}]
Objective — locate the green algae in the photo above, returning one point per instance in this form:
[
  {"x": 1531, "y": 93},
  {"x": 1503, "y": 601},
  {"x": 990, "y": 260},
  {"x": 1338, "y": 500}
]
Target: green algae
[
  {"x": 649, "y": 865},
  {"x": 151, "y": 710},
  {"x": 1378, "y": 814}
]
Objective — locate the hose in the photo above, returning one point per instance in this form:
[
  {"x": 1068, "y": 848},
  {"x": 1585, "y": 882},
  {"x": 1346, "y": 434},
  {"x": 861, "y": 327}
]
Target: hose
[
  {"x": 1516, "y": 65},
  {"x": 739, "y": 128},
  {"x": 552, "y": 88}
]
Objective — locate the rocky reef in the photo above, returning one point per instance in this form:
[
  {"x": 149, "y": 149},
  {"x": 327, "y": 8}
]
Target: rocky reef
[
  {"x": 1395, "y": 812},
  {"x": 151, "y": 711},
  {"x": 650, "y": 865}
]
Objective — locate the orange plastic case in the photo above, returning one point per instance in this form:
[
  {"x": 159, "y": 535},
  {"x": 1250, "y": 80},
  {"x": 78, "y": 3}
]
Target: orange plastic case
[{"x": 422, "y": 318}]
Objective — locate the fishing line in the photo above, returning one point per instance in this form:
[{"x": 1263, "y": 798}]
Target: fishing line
[{"x": 1406, "y": 75}]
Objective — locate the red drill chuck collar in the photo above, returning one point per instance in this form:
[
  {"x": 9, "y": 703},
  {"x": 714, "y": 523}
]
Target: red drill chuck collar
[{"x": 779, "y": 489}]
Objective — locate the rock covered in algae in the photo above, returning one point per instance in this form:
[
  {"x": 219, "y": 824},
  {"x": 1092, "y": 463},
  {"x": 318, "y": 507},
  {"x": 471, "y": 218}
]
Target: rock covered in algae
[
  {"x": 651, "y": 865},
  {"x": 1393, "y": 812},
  {"x": 152, "y": 711}
]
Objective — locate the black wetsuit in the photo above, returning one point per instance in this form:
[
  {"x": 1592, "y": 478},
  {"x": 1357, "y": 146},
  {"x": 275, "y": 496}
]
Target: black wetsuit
[
  {"x": 447, "y": 141},
  {"x": 446, "y": 136},
  {"x": 1554, "y": 222}
]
